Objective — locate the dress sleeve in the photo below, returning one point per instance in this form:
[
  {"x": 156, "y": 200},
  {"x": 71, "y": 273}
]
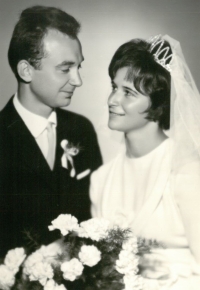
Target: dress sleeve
[{"x": 187, "y": 195}]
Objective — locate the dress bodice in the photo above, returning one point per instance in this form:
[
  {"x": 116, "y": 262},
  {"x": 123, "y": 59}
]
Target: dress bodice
[{"x": 139, "y": 193}]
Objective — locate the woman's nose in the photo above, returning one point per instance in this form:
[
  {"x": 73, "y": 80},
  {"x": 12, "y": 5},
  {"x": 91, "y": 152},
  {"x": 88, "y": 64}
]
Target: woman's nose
[{"x": 114, "y": 98}]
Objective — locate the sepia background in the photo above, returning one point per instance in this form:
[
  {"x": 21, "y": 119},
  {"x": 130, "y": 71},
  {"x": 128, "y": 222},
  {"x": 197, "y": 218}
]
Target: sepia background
[{"x": 106, "y": 24}]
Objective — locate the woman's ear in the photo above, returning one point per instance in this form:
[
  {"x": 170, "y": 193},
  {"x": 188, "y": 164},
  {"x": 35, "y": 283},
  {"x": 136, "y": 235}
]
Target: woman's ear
[{"x": 24, "y": 70}]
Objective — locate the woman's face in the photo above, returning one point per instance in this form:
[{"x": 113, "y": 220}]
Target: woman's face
[{"x": 126, "y": 105}]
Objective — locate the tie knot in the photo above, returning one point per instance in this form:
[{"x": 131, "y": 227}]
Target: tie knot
[{"x": 49, "y": 126}]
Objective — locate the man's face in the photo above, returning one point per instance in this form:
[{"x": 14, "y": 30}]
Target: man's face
[{"x": 53, "y": 84}]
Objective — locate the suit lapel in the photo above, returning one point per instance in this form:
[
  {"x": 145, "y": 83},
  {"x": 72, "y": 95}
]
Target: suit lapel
[{"x": 24, "y": 142}]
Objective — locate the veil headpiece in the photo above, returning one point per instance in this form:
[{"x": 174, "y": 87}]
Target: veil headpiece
[
  {"x": 185, "y": 105},
  {"x": 161, "y": 54}
]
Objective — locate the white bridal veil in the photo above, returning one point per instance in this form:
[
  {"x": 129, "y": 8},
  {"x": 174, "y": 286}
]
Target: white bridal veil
[{"x": 184, "y": 111}]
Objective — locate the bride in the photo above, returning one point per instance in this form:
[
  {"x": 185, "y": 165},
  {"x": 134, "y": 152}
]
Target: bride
[{"x": 153, "y": 186}]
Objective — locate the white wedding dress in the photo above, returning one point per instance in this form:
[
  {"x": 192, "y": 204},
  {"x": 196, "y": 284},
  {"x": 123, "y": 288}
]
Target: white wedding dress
[{"x": 138, "y": 193}]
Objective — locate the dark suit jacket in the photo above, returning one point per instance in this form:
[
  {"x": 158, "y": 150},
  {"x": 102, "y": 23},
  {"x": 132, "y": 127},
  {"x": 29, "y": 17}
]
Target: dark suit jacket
[{"x": 31, "y": 195}]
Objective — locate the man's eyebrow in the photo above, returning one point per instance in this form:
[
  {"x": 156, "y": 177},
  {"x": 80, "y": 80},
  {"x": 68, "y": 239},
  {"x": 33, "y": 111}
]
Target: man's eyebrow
[{"x": 65, "y": 63}]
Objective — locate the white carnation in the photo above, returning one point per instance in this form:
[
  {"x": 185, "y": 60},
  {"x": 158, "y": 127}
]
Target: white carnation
[
  {"x": 14, "y": 259},
  {"x": 37, "y": 268},
  {"x": 127, "y": 263},
  {"x": 126, "y": 257},
  {"x": 130, "y": 245},
  {"x": 65, "y": 223},
  {"x": 30, "y": 262},
  {"x": 89, "y": 255},
  {"x": 52, "y": 285},
  {"x": 95, "y": 228},
  {"x": 41, "y": 272},
  {"x": 134, "y": 282},
  {"x": 72, "y": 269},
  {"x": 7, "y": 278},
  {"x": 51, "y": 252}
]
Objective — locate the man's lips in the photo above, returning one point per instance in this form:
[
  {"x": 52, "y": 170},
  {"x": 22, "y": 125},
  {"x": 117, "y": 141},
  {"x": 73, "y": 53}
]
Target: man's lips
[{"x": 69, "y": 93}]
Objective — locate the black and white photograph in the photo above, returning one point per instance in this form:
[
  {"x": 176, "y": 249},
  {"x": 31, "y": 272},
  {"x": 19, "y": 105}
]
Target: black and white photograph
[{"x": 99, "y": 145}]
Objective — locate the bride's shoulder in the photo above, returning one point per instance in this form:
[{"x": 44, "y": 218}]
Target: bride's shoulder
[
  {"x": 104, "y": 169},
  {"x": 190, "y": 169},
  {"x": 187, "y": 182}
]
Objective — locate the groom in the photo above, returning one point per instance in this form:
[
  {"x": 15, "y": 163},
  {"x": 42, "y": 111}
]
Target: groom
[{"x": 46, "y": 154}]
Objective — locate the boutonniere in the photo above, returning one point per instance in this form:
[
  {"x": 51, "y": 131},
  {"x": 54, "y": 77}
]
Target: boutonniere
[{"x": 69, "y": 152}]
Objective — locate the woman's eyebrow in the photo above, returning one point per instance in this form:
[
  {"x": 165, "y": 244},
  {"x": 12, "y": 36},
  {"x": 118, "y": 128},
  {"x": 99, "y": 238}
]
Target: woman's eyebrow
[{"x": 131, "y": 90}]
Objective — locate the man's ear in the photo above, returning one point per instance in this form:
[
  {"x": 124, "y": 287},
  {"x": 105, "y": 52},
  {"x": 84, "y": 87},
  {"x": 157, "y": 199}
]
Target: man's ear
[{"x": 24, "y": 70}]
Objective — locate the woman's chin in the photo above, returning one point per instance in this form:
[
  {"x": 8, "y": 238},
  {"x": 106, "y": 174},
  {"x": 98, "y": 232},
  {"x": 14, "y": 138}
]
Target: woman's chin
[{"x": 114, "y": 127}]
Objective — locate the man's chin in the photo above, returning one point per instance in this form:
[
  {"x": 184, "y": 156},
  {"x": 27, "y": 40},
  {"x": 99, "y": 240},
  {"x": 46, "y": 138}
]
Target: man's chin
[{"x": 66, "y": 103}]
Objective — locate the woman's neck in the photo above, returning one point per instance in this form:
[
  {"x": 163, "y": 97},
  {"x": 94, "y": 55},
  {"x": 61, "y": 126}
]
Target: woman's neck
[{"x": 143, "y": 141}]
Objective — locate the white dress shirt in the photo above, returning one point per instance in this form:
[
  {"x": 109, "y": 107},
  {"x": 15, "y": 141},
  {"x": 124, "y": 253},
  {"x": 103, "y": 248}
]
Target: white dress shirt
[{"x": 37, "y": 125}]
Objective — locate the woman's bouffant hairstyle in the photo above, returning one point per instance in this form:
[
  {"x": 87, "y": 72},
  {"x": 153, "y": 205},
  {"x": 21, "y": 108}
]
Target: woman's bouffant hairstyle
[
  {"x": 27, "y": 38},
  {"x": 148, "y": 77}
]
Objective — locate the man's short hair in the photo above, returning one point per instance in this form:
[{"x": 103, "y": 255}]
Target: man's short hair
[
  {"x": 34, "y": 23},
  {"x": 147, "y": 76}
]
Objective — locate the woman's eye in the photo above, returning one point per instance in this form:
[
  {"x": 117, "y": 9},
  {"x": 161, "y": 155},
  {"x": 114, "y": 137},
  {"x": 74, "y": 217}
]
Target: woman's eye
[
  {"x": 127, "y": 94},
  {"x": 114, "y": 88}
]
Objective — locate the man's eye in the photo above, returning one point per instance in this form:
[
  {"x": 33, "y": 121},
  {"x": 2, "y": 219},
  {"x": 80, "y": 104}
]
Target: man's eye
[{"x": 65, "y": 70}]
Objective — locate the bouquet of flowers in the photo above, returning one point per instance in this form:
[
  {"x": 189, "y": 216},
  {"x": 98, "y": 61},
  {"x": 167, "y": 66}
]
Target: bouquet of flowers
[{"x": 91, "y": 255}]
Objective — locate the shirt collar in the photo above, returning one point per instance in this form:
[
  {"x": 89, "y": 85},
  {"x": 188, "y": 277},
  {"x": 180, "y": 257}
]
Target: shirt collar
[{"x": 35, "y": 123}]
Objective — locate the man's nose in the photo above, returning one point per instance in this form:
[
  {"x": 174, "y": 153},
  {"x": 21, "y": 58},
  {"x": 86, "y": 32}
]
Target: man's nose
[{"x": 75, "y": 79}]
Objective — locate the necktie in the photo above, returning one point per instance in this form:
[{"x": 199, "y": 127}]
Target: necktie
[{"x": 51, "y": 143}]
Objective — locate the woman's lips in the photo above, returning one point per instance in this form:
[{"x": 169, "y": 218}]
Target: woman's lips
[{"x": 116, "y": 113}]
